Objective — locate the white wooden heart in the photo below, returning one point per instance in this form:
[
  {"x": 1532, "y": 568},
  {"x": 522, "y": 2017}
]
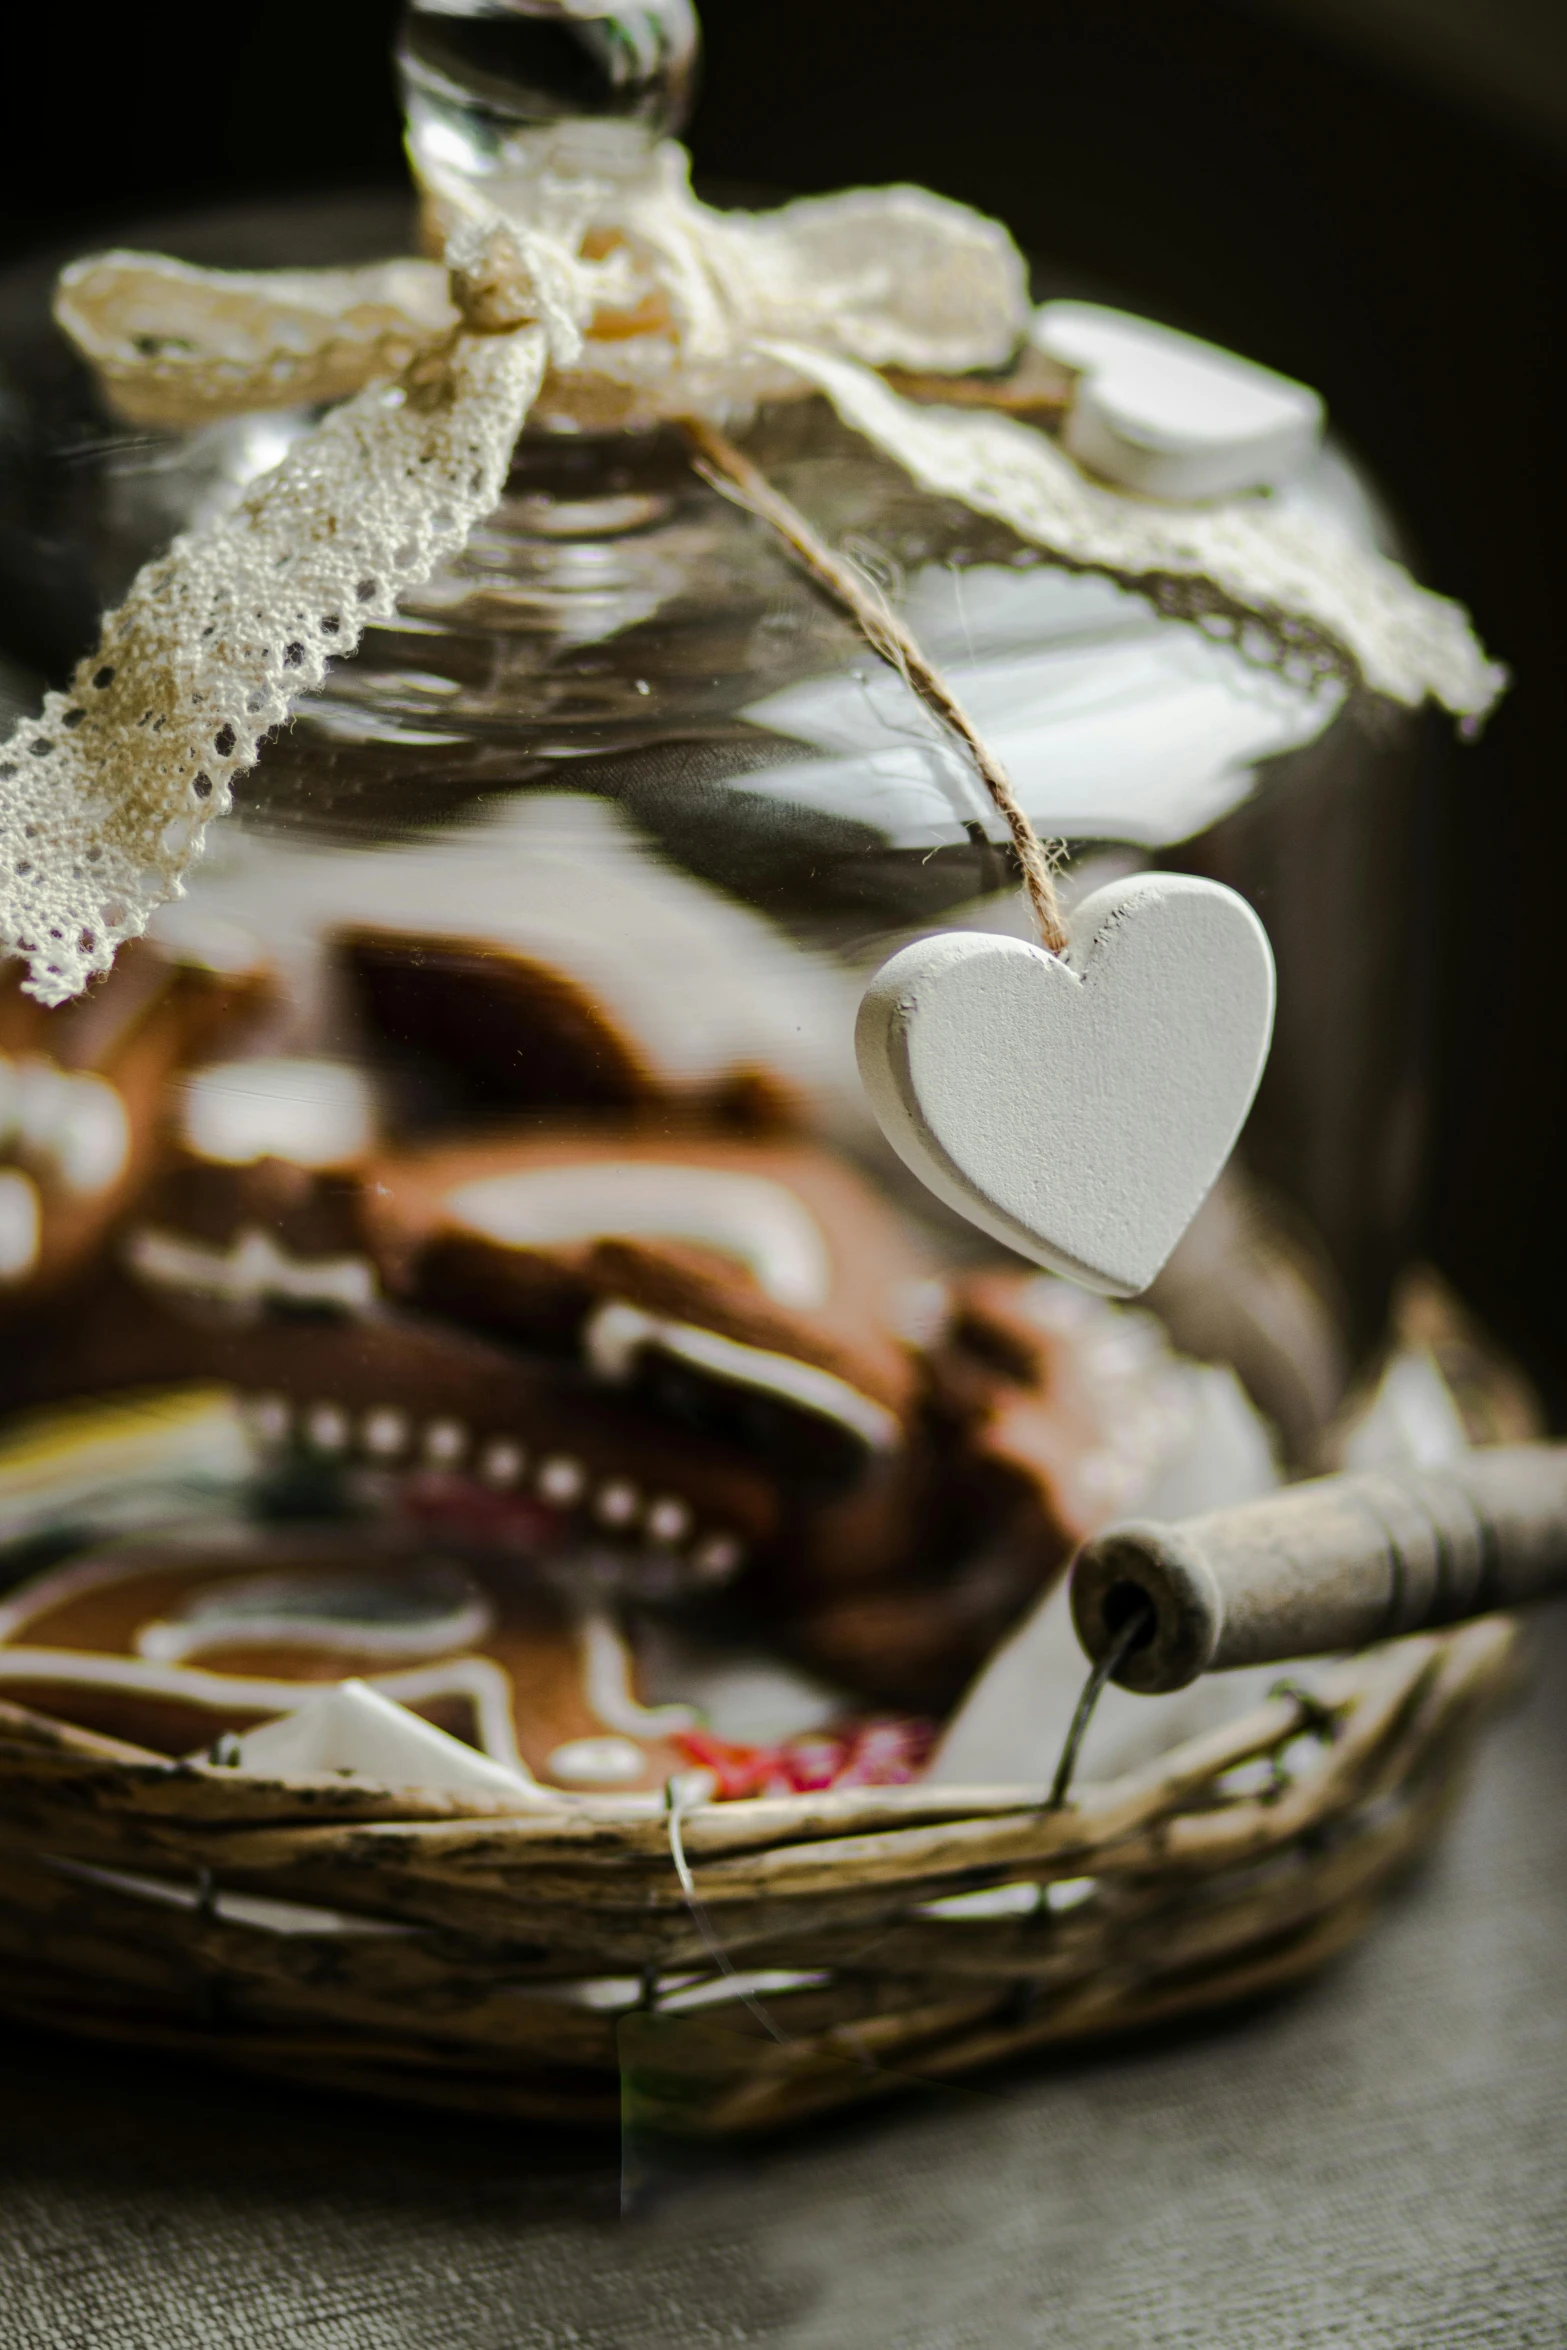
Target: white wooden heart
[
  {"x": 1079, "y": 1107},
  {"x": 1171, "y": 416}
]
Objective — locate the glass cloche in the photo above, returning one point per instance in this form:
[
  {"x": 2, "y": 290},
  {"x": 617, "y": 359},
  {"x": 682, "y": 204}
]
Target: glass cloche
[{"x": 473, "y": 1160}]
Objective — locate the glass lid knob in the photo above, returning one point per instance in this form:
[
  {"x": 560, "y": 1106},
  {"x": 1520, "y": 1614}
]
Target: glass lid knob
[{"x": 477, "y": 72}]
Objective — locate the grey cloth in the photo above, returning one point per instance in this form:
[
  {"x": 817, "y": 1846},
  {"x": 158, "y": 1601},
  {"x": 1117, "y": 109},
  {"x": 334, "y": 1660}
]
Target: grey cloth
[{"x": 1378, "y": 2161}]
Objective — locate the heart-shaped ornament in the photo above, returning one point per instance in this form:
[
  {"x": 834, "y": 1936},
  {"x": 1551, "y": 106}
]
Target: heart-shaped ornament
[
  {"x": 1077, "y": 1107},
  {"x": 1170, "y": 416}
]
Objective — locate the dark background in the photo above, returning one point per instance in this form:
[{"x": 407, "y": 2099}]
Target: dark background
[{"x": 1383, "y": 216}]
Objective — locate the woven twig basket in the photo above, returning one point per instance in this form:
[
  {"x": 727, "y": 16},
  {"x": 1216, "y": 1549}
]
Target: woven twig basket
[{"x": 1242, "y": 1861}]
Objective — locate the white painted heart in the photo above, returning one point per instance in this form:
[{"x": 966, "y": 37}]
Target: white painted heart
[
  {"x": 1077, "y": 1108},
  {"x": 1170, "y": 416}
]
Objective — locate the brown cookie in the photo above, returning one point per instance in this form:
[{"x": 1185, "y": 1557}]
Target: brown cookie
[
  {"x": 209, "y": 1640},
  {"x": 1050, "y": 1392},
  {"x": 470, "y": 1436},
  {"x": 671, "y": 1381},
  {"x": 84, "y": 1097},
  {"x": 496, "y": 1031},
  {"x": 753, "y": 1288},
  {"x": 227, "y": 1244},
  {"x": 1031, "y": 1428}
]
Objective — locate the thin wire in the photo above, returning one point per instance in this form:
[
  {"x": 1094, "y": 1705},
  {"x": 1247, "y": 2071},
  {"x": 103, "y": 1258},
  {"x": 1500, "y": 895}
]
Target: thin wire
[
  {"x": 1137, "y": 1624},
  {"x": 674, "y": 1802}
]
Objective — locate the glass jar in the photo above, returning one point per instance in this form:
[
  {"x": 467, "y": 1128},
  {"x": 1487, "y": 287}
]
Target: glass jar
[{"x": 489, "y": 1130}]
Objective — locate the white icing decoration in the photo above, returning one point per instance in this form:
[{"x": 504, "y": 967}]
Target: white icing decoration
[
  {"x": 618, "y": 1334},
  {"x": 40, "y": 1103},
  {"x": 348, "y": 1614},
  {"x": 597, "y": 1762},
  {"x": 1077, "y": 1109},
  {"x": 93, "y": 1139},
  {"x": 327, "y": 1428},
  {"x": 312, "y": 1113},
  {"x": 1170, "y": 416},
  {"x": 250, "y": 1273},
  {"x": 562, "y": 1481},
  {"x": 749, "y": 1217},
  {"x": 385, "y": 1432},
  {"x": 606, "y": 1672},
  {"x": 72, "y": 1126}
]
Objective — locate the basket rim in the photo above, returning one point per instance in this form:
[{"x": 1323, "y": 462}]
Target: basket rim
[
  {"x": 44, "y": 1747},
  {"x": 124, "y": 1878}
]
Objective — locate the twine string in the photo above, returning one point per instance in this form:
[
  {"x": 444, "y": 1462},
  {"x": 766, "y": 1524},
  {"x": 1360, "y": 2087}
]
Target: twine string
[{"x": 729, "y": 471}]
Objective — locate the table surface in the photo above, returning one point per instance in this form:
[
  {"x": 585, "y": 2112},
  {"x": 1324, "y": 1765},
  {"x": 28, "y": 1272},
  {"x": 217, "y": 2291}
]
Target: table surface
[{"x": 1379, "y": 2160}]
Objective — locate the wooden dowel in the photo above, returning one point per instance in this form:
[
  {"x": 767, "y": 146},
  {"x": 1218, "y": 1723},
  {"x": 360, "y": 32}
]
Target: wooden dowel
[{"x": 1329, "y": 1565}]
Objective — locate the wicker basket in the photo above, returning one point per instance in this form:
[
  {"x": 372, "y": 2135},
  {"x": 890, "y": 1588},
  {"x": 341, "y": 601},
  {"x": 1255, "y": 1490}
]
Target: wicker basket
[{"x": 138, "y": 1904}]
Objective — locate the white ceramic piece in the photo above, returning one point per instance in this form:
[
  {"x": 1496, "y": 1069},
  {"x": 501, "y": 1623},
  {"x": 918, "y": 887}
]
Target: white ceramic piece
[
  {"x": 1170, "y": 416},
  {"x": 350, "y": 1727},
  {"x": 607, "y": 1683},
  {"x": 1077, "y": 1108}
]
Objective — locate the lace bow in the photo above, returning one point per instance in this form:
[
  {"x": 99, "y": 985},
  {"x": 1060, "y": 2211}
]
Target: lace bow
[{"x": 570, "y": 285}]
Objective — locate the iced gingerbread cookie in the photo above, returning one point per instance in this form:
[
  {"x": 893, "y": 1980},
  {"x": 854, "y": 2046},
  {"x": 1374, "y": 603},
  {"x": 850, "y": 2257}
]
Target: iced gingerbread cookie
[
  {"x": 83, "y": 1095},
  {"x": 754, "y": 1289},
  {"x": 181, "y": 1647},
  {"x": 490, "y": 1031}
]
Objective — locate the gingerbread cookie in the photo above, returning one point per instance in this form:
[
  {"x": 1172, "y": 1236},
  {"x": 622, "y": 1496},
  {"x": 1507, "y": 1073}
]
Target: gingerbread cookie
[
  {"x": 177, "y": 1646},
  {"x": 84, "y": 1095},
  {"x": 495, "y": 1031},
  {"x": 754, "y": 1289},
  {"x": 470, "y": 1437},
  {"x": 1044, "y": 1411}
]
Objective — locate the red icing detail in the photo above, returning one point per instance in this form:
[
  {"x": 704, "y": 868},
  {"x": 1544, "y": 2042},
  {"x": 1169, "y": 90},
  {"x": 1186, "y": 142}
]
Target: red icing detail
[{"x": 883, "y": 1753}]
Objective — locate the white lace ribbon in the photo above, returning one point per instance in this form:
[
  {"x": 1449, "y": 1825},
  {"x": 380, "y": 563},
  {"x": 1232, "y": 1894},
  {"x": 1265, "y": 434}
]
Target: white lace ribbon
[
  {"x": 1293, "y": 591},
  {"x": 106, "y": 795},
  {"x": 615, "y": 298}
]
